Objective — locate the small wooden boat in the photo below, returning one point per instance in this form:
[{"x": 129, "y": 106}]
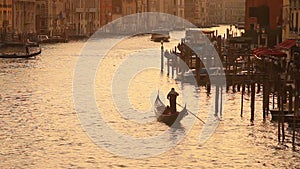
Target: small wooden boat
[
  {"x": 240, "y": 25},
  {"x": 276, "y": 115},
  {"x": 11, "y": 56},
  {"x": 168, "y": 117},
  {"x": 160, "y": 35}
]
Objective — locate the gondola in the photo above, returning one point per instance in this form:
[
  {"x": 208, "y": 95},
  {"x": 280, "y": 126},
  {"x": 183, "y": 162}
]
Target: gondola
[
  {"x": 20, "y": 55},
  {"x": 167, "y": 117}
]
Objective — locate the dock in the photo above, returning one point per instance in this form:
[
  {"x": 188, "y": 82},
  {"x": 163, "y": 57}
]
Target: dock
[{"x": 245, "y": 68}]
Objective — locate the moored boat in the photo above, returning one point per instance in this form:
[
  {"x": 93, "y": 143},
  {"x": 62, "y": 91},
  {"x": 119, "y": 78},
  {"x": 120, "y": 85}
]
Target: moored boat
[
  {"x": 160, "y": 35},
  {"x": 276, "y": 115},
  {"x": 166, "y": 116}
]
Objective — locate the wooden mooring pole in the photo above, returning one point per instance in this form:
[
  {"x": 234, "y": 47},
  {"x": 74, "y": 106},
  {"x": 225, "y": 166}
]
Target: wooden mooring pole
[
  {"x": 168, "y": 66},
  {"x": 162, "y": 57},
  {"x": 217, "y": 100},
  {"x": 252, "y": 101},
  {"x": 172, "y": 67},
  {"x": 282, "y": 116},
  {"x": 265, "y": 95},
  {"x": 279, "y": 119},
  {"x": 242, "y": 100},
  {"x": 296, "y": 108}
]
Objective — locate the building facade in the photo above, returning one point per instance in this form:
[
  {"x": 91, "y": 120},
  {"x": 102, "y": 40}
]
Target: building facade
[
  {"x": 263, "y": 21},
  {"x": 50, "y": 17},
  {"x": 214, "y": 12},
  {"x": 24, "y": 16},
  {"x": 117, "y": 10},
  {"x": 5, "y": 19},
  {"x": 291, "y": 19},
  {"x": 81, "y": 18},
  {"x": 200, "y": 14},
  {"x": 190, "y": 10},
  {"x": 106, "y": 10},
  {"x": 234, "y": 11},
  {"x": 129, "y": 7}
]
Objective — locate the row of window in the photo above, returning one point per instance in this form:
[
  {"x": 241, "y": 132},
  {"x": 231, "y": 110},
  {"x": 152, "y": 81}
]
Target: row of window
[
  {"x": 5, "y": 6},
  {"x": 295, "y": 3},
  {"x": 22, "y": 6}
]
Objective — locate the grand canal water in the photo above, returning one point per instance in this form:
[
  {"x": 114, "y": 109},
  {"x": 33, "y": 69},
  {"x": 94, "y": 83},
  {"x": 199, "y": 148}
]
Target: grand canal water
[{"x": 39, "y": 127}]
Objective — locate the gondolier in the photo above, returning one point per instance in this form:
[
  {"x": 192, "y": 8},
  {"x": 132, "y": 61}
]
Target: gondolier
[{"x": 172, "y": 96}]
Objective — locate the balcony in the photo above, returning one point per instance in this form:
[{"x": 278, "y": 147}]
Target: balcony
[
  {"x": 79, "y": 10},
  {"x": 92, "y": 9}
]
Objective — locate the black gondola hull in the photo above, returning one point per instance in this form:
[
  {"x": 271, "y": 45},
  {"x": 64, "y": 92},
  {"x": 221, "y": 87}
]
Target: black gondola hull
[{"x": 12, "y": 56}]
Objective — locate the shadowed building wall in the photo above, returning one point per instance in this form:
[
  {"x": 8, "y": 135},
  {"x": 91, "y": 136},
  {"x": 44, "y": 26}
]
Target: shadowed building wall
[{"x": 263, "y": 21}]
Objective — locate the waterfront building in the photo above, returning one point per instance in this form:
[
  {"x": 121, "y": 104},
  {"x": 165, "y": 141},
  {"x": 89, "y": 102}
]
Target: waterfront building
[
  {"x": 201, "y": 16},
  {"x": 117, "y": 11},
  {"x": 177, "y": 8},
  {"x": 190, "y": 10},
  {"x": 142, "y": 6},
  {"x": 82, "y": 17},
  {"x": 106, "y": 10},
  {"x": 263, "y": 21},
  {"x": 172, "y": 7},
  {"x": 204, "y": 13},
  {"x": 234, "y": 11},
  {"x": 86, "y": 17},
  {"x": 24, "y": 16},
  {"x": 197, "y": 12},
  {"x": 68, "y": 17},
  {"x": 5, "y": 19},
  {"x": 214, "y": 12},
  {"x": 287, "y": 20},
  {"x": 291, "y": 20},
  {"x": 50, "y": 18},
  {"x": 129, "y": 7},
  {"x": 41, "y": 17}
]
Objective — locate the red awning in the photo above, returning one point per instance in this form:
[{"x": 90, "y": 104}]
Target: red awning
[
  {"x": 287, "y": 44},
  {"x": 268, "y": 52},
  {"x": 208, "y": 31},
  {"x": 258, "y": 50}
]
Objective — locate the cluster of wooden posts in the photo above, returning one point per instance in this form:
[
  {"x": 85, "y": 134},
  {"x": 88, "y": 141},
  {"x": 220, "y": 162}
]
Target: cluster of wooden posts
[{"x": 279, "y": 84}]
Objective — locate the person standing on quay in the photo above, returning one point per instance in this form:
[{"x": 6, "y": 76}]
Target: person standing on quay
[{"x": 172, "y": 96}]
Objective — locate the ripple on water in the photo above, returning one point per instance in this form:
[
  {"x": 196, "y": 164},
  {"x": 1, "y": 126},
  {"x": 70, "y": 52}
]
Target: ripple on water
[{"x": 40, "y": 129}]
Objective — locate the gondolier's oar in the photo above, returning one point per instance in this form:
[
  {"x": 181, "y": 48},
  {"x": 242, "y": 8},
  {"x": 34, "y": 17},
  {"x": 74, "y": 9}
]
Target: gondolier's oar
[{"x": 192, "y": 113}]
